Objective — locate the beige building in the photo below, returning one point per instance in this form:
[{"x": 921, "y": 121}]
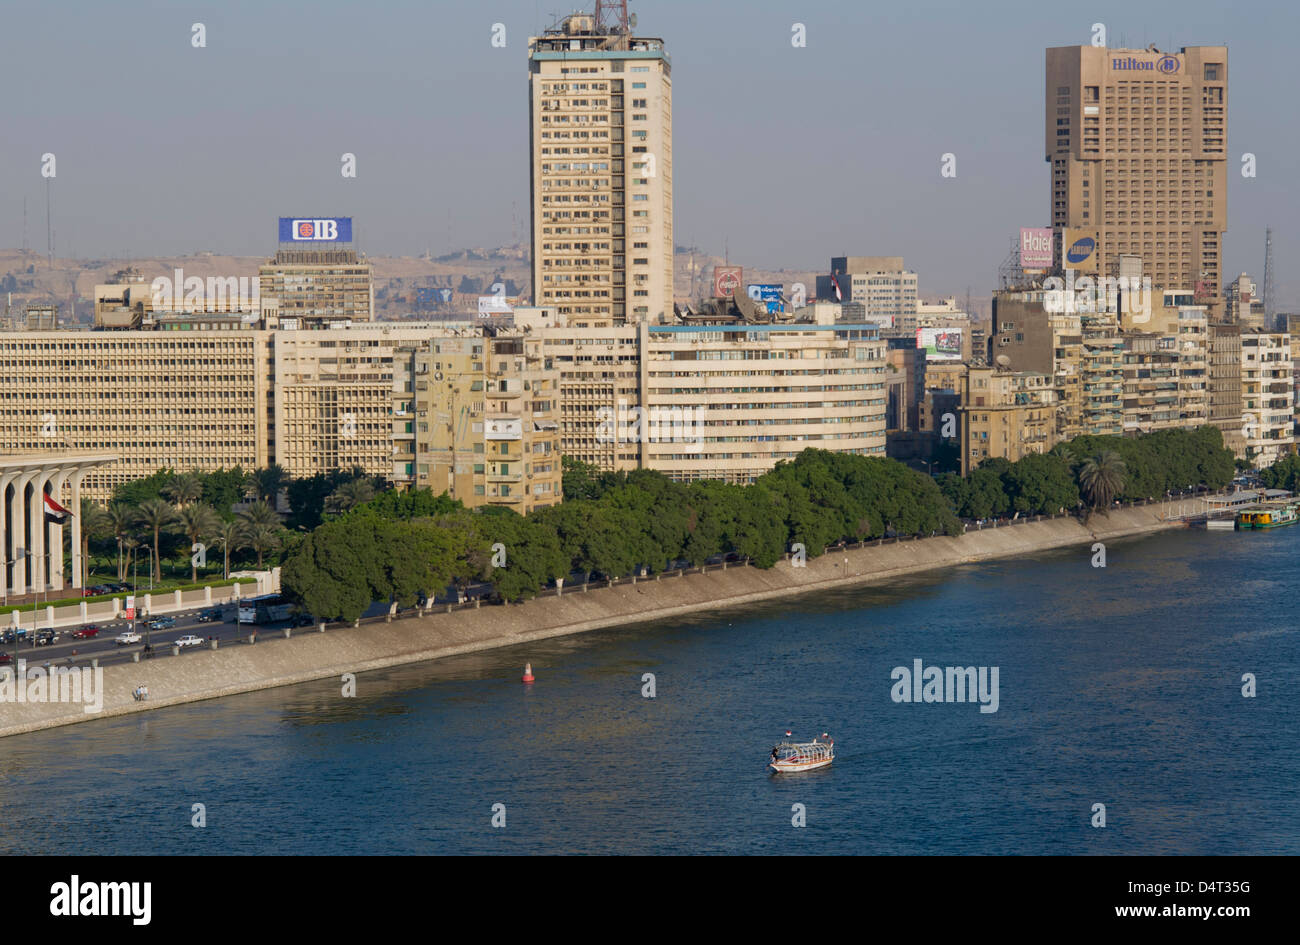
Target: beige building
[
  {"x": 478, "y": 417},
  {"x": 1137, "y": 141},
  {"x": 602, "y": 174},
  {"x": 332, "y": 285},
  {"x": 886, "y": 290},
  {"x": 156, "y": 399},
  {"x": 1006, "y": 414},
  {"x": 759, "y": 394},
  {"x": 1224, "y": 371},
  {"x": 1267, "y": 396}
]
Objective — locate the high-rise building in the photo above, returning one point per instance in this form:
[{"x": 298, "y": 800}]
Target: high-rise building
[
  {"x": 316, "y": 274},
  {"x": 1267, "y": 396},
  {"x": 602, "y": 173},
  {"x": 886, "y": 290},
  {"x": 1137, "y": 141}
]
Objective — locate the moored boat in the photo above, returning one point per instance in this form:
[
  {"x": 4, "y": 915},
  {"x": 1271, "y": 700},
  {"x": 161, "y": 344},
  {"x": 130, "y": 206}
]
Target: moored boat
[
  {"x": 1268, "y": 516},
  {"x": 793, "y": 757}
]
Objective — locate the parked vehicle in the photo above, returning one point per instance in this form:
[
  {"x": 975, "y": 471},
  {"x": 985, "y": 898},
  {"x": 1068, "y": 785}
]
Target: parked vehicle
[
  {"x": 5, "y": 658},
  {"x": 189, "y": 640},
  {"x": 303, "y": 620},
  {"x": 86, "y": 632},
  {"x": 127, "y": 638}
]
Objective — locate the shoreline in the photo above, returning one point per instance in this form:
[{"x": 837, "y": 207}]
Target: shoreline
[{"x": 309, "y": 655}]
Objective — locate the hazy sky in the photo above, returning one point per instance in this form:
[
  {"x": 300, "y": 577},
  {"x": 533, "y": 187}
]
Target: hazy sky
[{"x": 786, "y": 156}]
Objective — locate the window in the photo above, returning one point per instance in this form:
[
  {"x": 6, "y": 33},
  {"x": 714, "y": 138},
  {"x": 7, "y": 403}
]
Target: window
[{"x": 1212, "y": 71}]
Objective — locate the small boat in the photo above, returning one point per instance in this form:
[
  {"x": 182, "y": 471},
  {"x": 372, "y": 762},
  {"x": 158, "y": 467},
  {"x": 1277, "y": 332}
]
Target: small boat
[
  {"x": 1267, "y": 516},
  {"x": 791, "y": 757}
]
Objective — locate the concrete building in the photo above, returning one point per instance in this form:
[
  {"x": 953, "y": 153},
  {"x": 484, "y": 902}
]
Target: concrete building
[
  {"x": 319, "y": 285},
  {"x": 1243, "y": 306},
  {"x": 31, "y": 527},
  {"x": 479, "y": 417},
  {"x": 155, "y": 399},
  {"x": 600, "y": 108},
  {"x": 1224, "y": 371},
  {"x": 1006, "y": 414},
  {"x": 1267, "y": 396},
  {"x": 881, "y": 284},
  {"x": 759, "y": 394},
  {"x": 1137, "y": 141}
]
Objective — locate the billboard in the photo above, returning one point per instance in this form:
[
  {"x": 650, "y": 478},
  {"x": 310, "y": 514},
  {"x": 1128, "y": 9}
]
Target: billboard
[
  {"x": 768, "y": 294},
  {"x": 726, "y": 280},
  {"x": 939, "y": 344},
  {"x": 489, "y": 305},
  {"x": 1035, "y": 248},
  {"x": 1078, "y": 250},
  {"x": 316, "y": 230}
]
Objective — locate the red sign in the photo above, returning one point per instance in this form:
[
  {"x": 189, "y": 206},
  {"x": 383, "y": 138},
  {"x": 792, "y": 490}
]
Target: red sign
[{"x": 726, "y": 280}]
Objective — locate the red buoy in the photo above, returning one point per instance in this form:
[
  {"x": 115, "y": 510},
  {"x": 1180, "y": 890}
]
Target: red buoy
[{"x": 528, "y": 672}]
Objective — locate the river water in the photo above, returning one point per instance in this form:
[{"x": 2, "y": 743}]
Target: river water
[{"x": 1119, "y": 686}]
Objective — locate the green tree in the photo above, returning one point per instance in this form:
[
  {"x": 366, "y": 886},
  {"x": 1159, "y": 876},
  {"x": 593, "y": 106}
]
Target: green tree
[
  {"x": 96, "y": 524},
  {"x": 265, "y": 484},
  {"x": 197, "y": 522},
  {"x": 260, "y": 537},
  {"x": 155, "y": 515},
  {"x": 230, "y": 535},
  {"x": 184, "y": 489},
  {"x": 349, "y": 495}
]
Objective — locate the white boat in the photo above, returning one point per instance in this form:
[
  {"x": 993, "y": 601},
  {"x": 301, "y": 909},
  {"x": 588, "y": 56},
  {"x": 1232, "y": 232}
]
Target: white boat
[
  {"x": 792, "y": 757},
  {"x": 1228, "y": 524}
]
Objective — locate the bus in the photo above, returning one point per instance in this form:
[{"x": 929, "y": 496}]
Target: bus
[{"x": 265, "y": 609}]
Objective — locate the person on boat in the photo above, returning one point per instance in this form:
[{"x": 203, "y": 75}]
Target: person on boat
[{"x": 775, "y": 754}]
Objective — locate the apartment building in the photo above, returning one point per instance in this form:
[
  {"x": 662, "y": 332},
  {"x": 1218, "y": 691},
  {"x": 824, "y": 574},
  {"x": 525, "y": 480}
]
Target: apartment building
[
  {"x": 1137, "y": 142},
  {"x": 1267, "y": 396},
  {"x": 1005, "y": 413},
  {"x": 312, "y": 285},
  {"x": 476, "y": 415},
  {"x": 1224, "y": 381},
  {"x": 759, "y": 394},
  {"x": 600, "y": 109}
]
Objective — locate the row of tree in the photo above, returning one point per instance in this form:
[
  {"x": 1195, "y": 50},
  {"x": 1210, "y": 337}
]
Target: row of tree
[
  {"x": 403, "y": 545},
  {"x": 1092, "y": 471}
]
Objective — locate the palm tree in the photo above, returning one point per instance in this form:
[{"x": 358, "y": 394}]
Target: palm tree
[
  {"x": 120, "y": 517},
  {"x": 1101, "y": 478},
  {"x": 265, "y": 484},
  {"x": 260, "y": 537},
  {"x": 196, "y": 521},
  {"x": 230, "y": 535},
  {"x": 94, "y": 524},
  {"x": 349, "y": 495},
  {"x": 155, "y": 515},
  {"x": 260, "y": 513},
  {"x": 184, "y": 489},
  {"x": 129, "y": 543}
]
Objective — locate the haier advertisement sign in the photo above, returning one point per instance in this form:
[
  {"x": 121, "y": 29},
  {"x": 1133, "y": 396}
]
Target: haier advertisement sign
[{"x": 316, "y": 230}]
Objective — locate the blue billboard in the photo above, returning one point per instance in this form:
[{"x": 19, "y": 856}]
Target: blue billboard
[
  {"x": 315, "y": 229},
  {"x": 767, "y": 293}
]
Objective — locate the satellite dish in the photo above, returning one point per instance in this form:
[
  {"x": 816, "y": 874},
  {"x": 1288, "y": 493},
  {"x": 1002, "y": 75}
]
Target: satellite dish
[{"x": 1003, "y": 361}]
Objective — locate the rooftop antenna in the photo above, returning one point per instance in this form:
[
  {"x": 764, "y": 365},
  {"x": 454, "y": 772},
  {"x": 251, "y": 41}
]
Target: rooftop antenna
[
  {"x": 1269, "y": 300},
  {"x": 49, "y": 228},
  {"x": 24, "y": 224},
  {"x": 612, "y": 20}
]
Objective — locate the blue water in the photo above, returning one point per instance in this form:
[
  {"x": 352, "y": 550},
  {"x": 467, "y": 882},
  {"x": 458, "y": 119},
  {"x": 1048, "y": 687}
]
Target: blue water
[{"x": 1119, "y": 686}]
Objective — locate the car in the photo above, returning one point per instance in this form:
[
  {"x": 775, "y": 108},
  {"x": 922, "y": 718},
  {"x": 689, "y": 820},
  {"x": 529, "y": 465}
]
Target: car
[
  {"x": 162, "y": 623},
  {"x": 303, "y": 620},
  {"x": 127, "y": 638},
  {"x": 189, "y": 640},
  {"x": 5, "y": 658},
  {"x": 210, "y": 616},
  {"x": 6, "y": 637},
  {"x": 86, "y": 632},
  {"x": 46, "y": 638}
]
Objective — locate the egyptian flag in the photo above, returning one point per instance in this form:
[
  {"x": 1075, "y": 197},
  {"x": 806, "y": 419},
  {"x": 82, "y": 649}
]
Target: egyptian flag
[
  {"x": 839, "y": 297},
  {"x": 55, "y": 514}
]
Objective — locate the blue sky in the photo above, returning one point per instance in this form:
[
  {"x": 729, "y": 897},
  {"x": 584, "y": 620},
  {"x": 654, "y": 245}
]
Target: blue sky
[{"x": 787, "y": 156}]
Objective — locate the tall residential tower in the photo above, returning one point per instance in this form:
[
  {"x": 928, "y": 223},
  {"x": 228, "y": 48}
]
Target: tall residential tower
[{"x": 600, "y": 103}]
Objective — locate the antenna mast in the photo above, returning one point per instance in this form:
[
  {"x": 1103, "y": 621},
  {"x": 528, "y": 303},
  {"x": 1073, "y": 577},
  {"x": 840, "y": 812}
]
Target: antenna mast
[{"x": 1269, "y": 300}]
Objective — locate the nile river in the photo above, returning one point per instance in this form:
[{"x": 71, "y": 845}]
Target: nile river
[{"x": 1119, "y": 686}]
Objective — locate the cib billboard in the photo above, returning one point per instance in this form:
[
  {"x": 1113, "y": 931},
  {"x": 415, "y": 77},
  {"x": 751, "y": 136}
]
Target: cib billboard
[{"x": 315, "y": 230}]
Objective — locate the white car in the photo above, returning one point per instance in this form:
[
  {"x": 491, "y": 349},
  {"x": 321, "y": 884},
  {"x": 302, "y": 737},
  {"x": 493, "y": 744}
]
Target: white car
[
  {"x": 125, "y": 639},
  {"x": 189, "y": 640}
]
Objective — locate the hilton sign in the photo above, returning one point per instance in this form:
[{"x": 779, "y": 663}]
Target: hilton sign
[{"x": 1169, "y": 65}]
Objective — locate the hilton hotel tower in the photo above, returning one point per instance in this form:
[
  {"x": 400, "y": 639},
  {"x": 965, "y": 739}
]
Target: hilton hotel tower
[{"x": 1137, "y": 140}]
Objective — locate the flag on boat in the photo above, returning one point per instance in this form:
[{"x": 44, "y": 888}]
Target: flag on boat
[{"x": 55, "y": 513}]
